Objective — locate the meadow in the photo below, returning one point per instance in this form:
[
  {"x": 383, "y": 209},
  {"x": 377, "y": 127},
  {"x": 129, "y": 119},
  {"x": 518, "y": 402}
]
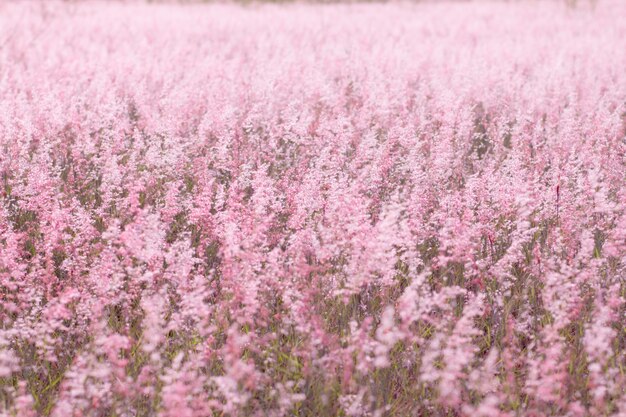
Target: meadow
[{"x": 365, "y": 210}]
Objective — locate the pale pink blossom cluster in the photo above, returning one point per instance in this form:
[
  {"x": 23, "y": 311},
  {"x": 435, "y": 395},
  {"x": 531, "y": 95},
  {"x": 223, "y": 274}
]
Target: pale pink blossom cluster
[{"x": 400, "y": 209}]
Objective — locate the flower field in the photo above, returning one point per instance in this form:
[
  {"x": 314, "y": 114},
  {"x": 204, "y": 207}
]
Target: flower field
[{"x": 399, "y": 209}]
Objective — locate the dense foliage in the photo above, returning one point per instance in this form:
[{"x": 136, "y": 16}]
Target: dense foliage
[{"x": 313, "y": 210}]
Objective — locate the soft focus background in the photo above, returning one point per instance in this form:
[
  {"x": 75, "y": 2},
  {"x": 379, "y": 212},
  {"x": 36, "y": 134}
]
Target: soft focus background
[{"x": 385, "y": 209}]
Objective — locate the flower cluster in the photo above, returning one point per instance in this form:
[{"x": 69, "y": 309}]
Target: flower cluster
[{"x": 278, "y": 210}]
